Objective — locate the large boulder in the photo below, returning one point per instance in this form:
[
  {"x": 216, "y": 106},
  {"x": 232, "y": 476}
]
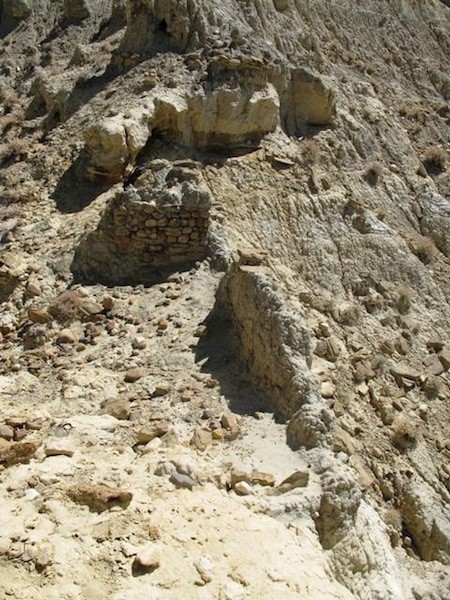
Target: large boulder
[
  {"x": 19, "y": 9},
  {"x": 229, "y": 117},
  {"x": 77, "y": 9},
  {"x": 114, "y": 143}
]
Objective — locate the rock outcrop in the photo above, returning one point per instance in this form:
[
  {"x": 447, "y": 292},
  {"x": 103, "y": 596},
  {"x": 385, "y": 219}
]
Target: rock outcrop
[
  {"x": 306, "y": 101},
  {"x": 114, "y": 143},
  {"x": 427, "y": 521}
]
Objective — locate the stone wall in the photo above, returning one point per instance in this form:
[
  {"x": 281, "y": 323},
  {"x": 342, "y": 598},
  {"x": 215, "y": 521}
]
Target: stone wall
[
  {"x": 145, "y": 230},
  {"x": 276, "y": 346}
]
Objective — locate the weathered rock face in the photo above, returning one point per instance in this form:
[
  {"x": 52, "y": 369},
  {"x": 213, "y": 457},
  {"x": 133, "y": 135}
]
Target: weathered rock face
[
  {"x": 146, "y": 230},
  {"x": 226, "y": 112},
  {"x": 230, "y": 117},
  {"x": 53, "y": 94},
  {"x": 363, "y": 559},
  {"x": 307, "y": 100},
  {"x": 427, "y": 521},
  {"x": 338, "y": 506},
  {"x": 436, "y": 221},
  {"x": 276, "y": 345},
  {"x": 152, "y": 23}
]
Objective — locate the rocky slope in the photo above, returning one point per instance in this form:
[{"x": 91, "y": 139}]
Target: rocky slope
[{"x": 224, "y": 287}]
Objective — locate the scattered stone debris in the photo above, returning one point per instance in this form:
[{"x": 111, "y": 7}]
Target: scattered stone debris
[{"x": 223, "y": 261}]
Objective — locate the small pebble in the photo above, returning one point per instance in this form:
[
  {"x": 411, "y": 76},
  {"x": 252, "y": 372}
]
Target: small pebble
[
  {"x": 146, "y": 561},
  {"x": 139, "y": 342},
  {"x": 31, "y": 494},
  {"x": 66, "y": 336},
  {"x": 242, "y": 488},
  {"x": 180, "y": 480}
]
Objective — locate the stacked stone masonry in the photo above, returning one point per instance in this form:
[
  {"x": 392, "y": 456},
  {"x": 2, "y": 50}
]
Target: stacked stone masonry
[
  {"x": 162, "y": 224},
  {"x": 160, "y": 235}
]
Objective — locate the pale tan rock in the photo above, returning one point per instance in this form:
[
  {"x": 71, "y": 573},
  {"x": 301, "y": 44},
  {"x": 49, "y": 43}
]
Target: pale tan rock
[
  {"x": 200, "y": 331},
  {"x": 90, "y": 308},
  {"x": 147, "y": 560},
  {"x": 59, "y": 447},
  {"x": 229, "y": 421},
  {"x": 133, "y": 375},
  {"x": 218, "y": 434},
  {"x": 434, "y": 366},
  {"x": 186, "y": 395},
  {"x": 114, "y": 143},
  {"x": 264, "y": 479},
  {"x": 139, "y": 342},
  {"x": 427, "y": 521},
  {"x": 161, "y": 389},
  {"x": 327, "y": 389},
  {"x": 119, "y": 408},
  {"x": 231, "y": 116},
  {"x": 33, "y": 288},
  {"x": 37, "y": 315},
  {"x": 16, "y": 421},
  {"x": 201, "y": 439},
  {"x": 163, "y": 324},
  {"x": 152, "y": 430},
  {"x": 66, "y": 336},
  {"x": 308, "y": 100},
  {"x": 16, "y": 452},
  {"x": 237, "y": 475},
  {"x": 6, "y": 432},
  {"x": 205, "y": 567},
  {"x": 99, "y": 497},
  {"x": 108, "y": 303},
  {"x": 242, "y": 488},
  {"x": 295, "y": 480},
  {"x": 401, "y": 371}
]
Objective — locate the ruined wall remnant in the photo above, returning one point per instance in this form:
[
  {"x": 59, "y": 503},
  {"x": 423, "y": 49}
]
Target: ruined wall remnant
[
  {"x": 276, "y": 346},
  {"x": 147, "y": 229}
]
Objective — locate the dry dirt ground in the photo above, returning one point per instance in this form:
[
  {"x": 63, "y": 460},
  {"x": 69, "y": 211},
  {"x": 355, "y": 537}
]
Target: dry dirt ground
[{"x": 267, "y": 420}]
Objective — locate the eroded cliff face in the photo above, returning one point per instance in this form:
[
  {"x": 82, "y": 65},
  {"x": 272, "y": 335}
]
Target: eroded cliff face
[{"x": 224, "y": 286}]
